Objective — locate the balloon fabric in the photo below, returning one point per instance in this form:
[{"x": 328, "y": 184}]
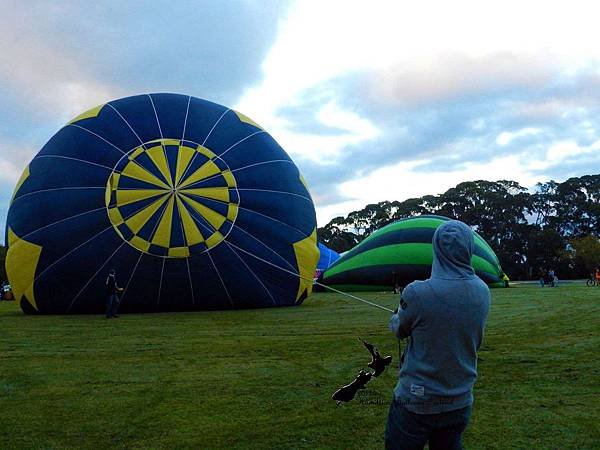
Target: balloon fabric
[
  {"x": 400, "y": 253},
  {"x": 193, "y": 204}
]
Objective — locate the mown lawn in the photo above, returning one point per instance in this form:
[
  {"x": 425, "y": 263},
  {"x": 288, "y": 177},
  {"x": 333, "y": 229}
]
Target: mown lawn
[{"x": 263, "y": 379}]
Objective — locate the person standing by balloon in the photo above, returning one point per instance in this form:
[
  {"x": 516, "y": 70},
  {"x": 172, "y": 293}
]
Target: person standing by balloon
[
  {"x": 112, "y": 291},
  {"x": 445, "y": 318}
]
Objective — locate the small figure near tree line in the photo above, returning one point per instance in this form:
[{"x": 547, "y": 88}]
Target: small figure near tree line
[
  {"x": 505, "y": 280},
  {"x": 596, "y": 276},
  {"x": 547, "y": 277}
]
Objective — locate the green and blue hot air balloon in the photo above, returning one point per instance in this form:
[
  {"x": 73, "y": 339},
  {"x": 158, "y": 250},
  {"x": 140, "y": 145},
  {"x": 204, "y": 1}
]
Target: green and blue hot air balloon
[
  {"x": 193, "y": 204},
  {"x": 402, "y": 252}
]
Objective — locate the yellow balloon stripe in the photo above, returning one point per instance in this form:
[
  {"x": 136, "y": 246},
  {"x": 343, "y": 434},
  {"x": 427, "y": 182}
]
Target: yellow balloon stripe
[
  {"x": 207, "y": 169},
  {"x": 140, "y": 243},
  {"x": 137, "y": 221},
  {"x": 193, "y": 235},
  {"x": 158, "y": 157},
  {"x": 212, "y": 217},
  {"x": 162, "y": 236},
  {"x": 179, "y": 252},
  {"x": 215, "y": 193},
  {"x": 133, "y": 170},
  {"x": 184, "y": 157},
  {"x": 214, "y": 239},
  {"x": 125, "y": 197}
]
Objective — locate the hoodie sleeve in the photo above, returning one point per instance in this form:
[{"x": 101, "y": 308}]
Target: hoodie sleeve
[{"x": 401, "y": 323}]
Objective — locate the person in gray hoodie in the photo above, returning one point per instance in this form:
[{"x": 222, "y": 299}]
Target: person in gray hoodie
[{"x": 444, "y": 317}]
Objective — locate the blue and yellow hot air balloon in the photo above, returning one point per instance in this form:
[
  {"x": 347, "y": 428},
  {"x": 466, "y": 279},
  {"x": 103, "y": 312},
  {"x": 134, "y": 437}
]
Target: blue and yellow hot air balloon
[
  {"x": 402, "y": 252},
  {"x": 194, "y": 205}
]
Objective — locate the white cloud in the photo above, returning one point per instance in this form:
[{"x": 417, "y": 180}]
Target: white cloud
[
  {"x": 47, "y": 78},
  {"x": 420, "y": 50},
  {"x": 506, "y": 137},
  {"x": 402, "y": 182},
  {"x": 414, "y": 53},
  {"x": 13, "y": 159},
  {"x": 567, "y": 149},
  {"x": 347, "y": 128}
]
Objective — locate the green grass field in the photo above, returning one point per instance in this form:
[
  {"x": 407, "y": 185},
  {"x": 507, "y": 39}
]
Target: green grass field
[{"x": 263, "y": 379}]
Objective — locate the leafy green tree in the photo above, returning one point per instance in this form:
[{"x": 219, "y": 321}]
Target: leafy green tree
[
  {"x": 577, "y": 206},
  {"x": 336, "y": 235},
  {"x": 543, "y": 201},
  {"x": 572, "y": 207},
  {"x": 587, "y": 252}
]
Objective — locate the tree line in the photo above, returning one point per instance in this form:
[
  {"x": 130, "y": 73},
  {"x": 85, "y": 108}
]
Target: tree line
[{"x": 557, "y": 226}]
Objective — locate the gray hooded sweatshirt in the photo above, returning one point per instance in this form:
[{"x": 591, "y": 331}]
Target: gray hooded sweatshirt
[{"x": 444, "y": 317}]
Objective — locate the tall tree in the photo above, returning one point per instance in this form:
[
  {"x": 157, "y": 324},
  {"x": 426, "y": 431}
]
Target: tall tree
[
  {"x": 336, "y": 235},
  {"x": 586, "y": 252}
]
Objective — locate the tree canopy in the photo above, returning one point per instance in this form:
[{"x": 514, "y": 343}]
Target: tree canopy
[{"x": 552, "y": 227}]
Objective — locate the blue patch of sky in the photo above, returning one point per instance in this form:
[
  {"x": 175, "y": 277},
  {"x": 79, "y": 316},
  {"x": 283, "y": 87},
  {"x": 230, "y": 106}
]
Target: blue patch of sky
[{"x": 5, "y": 196}]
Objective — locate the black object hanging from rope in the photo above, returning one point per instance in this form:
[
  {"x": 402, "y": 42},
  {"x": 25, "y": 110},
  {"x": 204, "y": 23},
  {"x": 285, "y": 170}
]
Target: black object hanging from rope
[{"x": 378, "y": 363}]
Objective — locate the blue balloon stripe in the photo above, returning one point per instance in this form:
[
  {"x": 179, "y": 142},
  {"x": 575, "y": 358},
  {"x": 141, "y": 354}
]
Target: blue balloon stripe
[
  {"x": 308, "y": 199},
  {"x": 135, "y": 121},
  {"x": 215, "y": 125},
  {"x": 232, "y": 238},
  {"x": 42, "y": 191},
  {"x": 126, "y": 288},
  {"x": 75, "y": 141},
  {"x": 239, "y": 142},
  {"x": 298, "y": 234},
  {"x": 98, "y": 136},
  {"x": 239, "y": 238},
  {"x": 94, "y": 276},
  {"x": 66, "y": 255},
  {"x": 58, "y": 222},
  {"x": 126, "y": 122},
  {"x": 263, "y": 265},
  {"x": 39, "y": 210},
  {"x": 231, "y": 247},
  {"x": 218, "y": 272},
  {"x": 185, "y": 120},
  {"x": 262, "y": 163},
  {"x": 79, "y": 160}
]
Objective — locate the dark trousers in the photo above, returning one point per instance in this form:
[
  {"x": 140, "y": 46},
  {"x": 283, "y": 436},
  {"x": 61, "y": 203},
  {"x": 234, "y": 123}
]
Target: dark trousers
[
  {"x": 112, "y": 304},
  {"x": 406, "y": 430}
]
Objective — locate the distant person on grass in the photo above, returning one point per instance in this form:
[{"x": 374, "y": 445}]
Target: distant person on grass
[
  {"x": 542, "y": 276},
  {"x": 551, "y": 277},
  {"x": 505, "y": 280},
  {"x": 112, "y": 292},
  {"x": 444, "y": 317}
]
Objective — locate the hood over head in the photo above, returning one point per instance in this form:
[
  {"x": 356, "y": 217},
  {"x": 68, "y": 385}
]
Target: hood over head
[{"x": 453, "y": 245}]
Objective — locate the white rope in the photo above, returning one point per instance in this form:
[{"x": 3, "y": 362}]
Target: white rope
[
  {"x": 312, "y": 281},
  {"x": 355, "y": 297}
]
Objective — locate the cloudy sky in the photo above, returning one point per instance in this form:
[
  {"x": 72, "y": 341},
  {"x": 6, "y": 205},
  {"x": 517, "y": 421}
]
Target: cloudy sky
[{"x": 373, "y": 100}]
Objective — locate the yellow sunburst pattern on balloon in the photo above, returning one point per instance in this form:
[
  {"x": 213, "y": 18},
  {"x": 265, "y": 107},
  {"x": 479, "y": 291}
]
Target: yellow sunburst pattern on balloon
[{"x": 172, "y": 198}]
